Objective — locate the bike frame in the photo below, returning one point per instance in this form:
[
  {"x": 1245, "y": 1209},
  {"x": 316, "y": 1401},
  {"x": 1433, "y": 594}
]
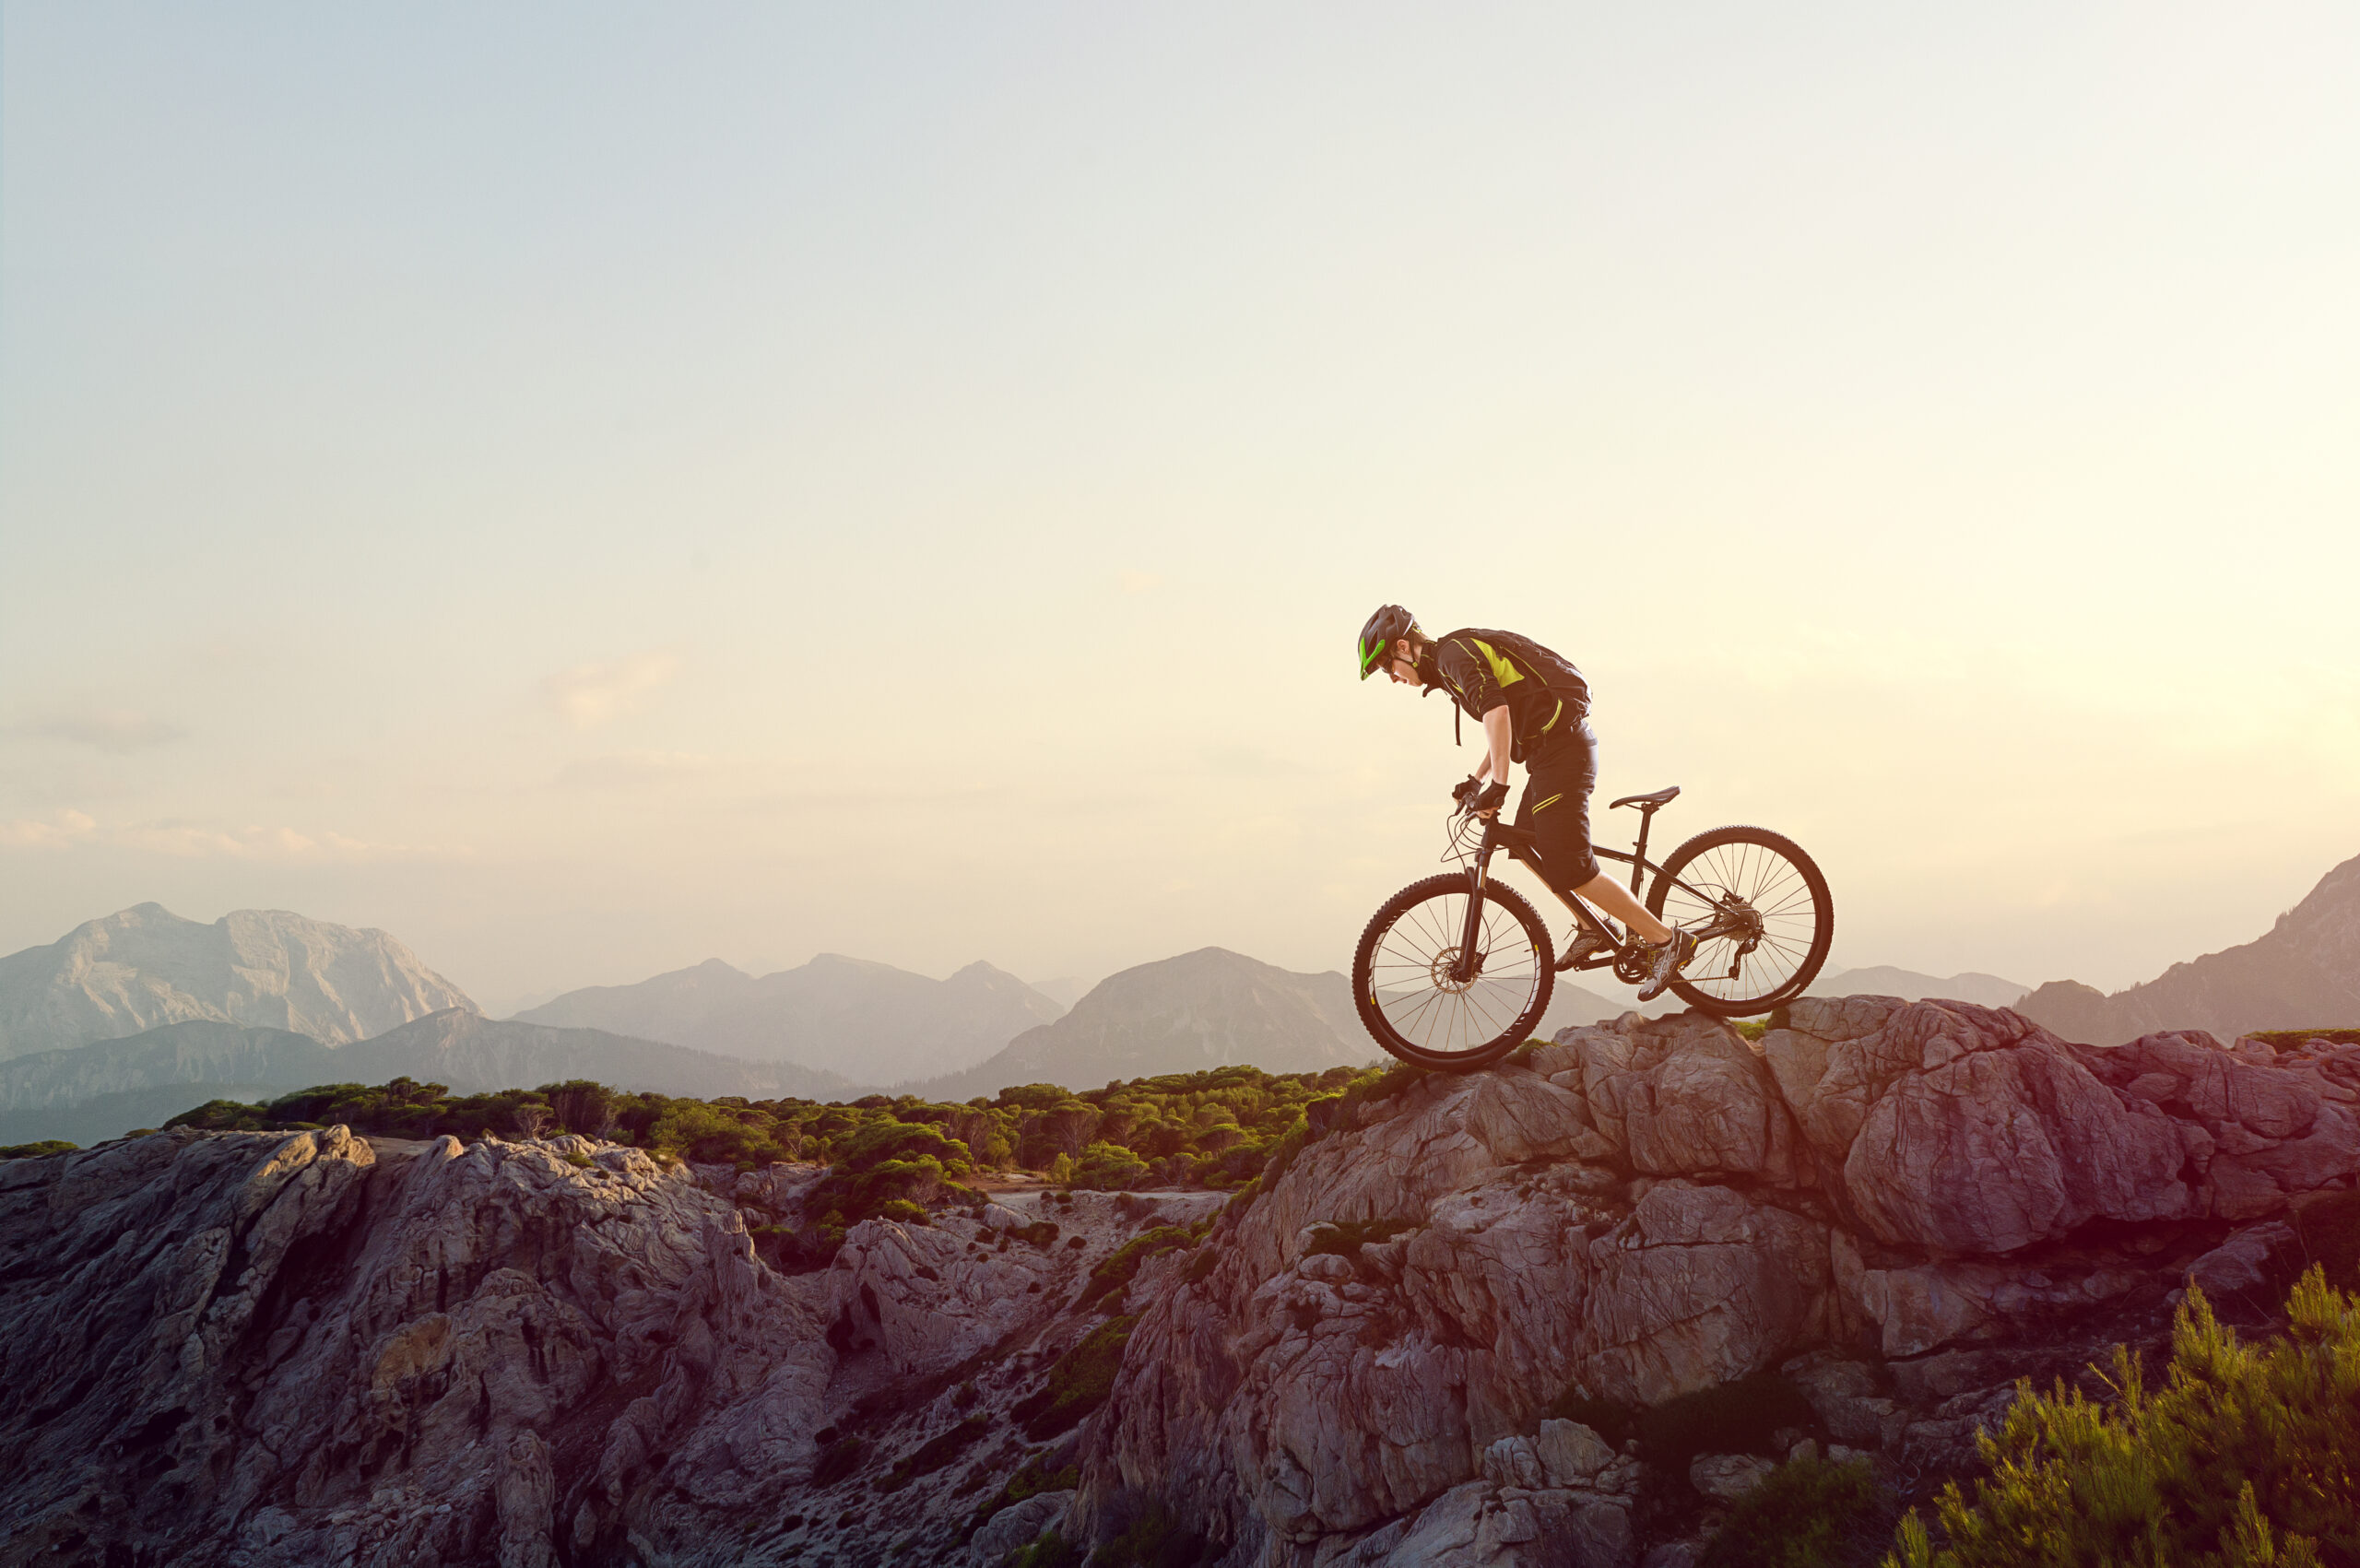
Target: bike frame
[{"x": 1519, "y": 844}]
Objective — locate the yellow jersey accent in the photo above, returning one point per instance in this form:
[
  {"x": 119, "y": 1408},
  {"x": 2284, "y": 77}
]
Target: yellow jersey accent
[{"x": 1504, "y": 672}]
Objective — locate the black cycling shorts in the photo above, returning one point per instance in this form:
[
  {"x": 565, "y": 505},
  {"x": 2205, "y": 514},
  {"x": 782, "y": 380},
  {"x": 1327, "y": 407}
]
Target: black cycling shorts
[{"x": 1555, "y": 808}]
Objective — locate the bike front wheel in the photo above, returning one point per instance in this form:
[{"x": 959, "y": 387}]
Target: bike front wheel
[
  {"x": 1406, "y": 975},
  {"x": 1762, "y": 910}
]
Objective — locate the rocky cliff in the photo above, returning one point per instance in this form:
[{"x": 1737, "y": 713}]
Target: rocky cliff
[
  {"x": 1554, "y": 1314},
  {"x": 146, "y": 966},
  {"x": 2302, "y": 973}
]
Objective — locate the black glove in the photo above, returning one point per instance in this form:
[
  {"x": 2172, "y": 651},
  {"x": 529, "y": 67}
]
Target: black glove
[
  {"x": 1494, "y": 795},
  {"x": 1465, "y": 787}
]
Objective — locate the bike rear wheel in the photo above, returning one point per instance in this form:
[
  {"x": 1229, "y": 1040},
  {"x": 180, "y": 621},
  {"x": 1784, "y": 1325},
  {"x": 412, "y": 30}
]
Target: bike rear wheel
[
  {"x": 1765, "y": 884},
  {"x": 1405, "y": 986}
]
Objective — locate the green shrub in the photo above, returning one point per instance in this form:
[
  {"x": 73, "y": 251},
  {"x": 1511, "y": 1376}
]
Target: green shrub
[
  {"x": 2250, "y": 1455},
  {"x": 1078, "y": 1383},
  {"x": 936, "y": 1452},
  {"x": 1108, "y": 1167},
  {"x": 1728, "y": 1418},
  {"x": 1116, "y": 1272},
  {"x": 46, "y": 1146},
  {"x": 839, "y": 1459},
  {"x": 1051, "y": 1551},
  {"x": 2294, "y": 1039},
  {"x": 1806, "y": 1513},
  {"x": 1030, "y": 1480},
  {"x": 221, "y": 1115},
  {"x": 1156, "y": 1539},
  {"x": 2330, "y": 1230},
  {"x": 1346, "y": 1237}
]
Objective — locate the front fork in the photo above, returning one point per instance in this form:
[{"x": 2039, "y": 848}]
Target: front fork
[{"x": 1479, "y": 876}]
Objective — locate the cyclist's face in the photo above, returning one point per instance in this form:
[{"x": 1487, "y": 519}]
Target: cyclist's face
[{"x": 1403, "y": 667}]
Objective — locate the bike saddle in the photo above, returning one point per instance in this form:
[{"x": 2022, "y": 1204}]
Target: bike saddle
[{"x": 1649, "y": 802}]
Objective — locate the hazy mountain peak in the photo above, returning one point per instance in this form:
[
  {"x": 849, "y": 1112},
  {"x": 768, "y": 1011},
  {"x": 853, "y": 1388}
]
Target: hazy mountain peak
[
  {"x": 868, "y": 1022},
  {"x": 2302, "y": 973},
  {"x": 1884, "y": 980},
  {"x": 1207, "y": 1009},
  {"x": 143, "y": 967}
]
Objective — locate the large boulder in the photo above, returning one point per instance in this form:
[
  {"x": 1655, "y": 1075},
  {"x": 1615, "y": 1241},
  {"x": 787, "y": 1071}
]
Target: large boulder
[
  {"x": 1969, "y": 1130},
  {"x": 1680, "y": 1096},
  {"x": 1418, "y": 1288},
  {"x": 230, "y": 1348},
  {"x": 2259, "y": 1126}
]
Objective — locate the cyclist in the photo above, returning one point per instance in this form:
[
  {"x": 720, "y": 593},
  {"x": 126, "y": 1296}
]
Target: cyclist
[{"x": 1534, "y": 708}]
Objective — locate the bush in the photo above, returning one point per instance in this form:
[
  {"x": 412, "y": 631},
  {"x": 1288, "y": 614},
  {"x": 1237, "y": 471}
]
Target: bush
[
  {"x": 1346, "y": 1237},
  {"x": 1108, "y": 1167},
  {"x": 838, "y": 1459},
  {"x": 1030, "y": 1480},
  {"x": 1114, "y": 1273},
  {"x": 2295, "y": 1039},
  {"x": 1078, "y": 1383},
  {"x": 937, "y": 1453},
  {"x": 2248, "y": 1455},
  {"x": 1728, "y": 1418},
  {"x": 46, "y": 1146},
  {"x": 1806, "y": 1514},
  {"x": 1156, "y": 1539},
  {"x": 1052, "y": 1550}
]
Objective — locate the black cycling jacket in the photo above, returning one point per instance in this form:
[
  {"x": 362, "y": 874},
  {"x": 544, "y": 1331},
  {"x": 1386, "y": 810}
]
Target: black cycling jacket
[{"x": 1545, "y": 694}]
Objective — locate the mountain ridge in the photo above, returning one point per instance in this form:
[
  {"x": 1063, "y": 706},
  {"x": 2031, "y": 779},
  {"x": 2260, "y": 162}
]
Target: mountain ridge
[
  {"x": 57, "y": 1093},
  {"x": 143, "y": 967},
  {"x": 2303, "y": 972},
  {"x": 853, "y": 1016},
  {"x": 1207, "y": 1009}
]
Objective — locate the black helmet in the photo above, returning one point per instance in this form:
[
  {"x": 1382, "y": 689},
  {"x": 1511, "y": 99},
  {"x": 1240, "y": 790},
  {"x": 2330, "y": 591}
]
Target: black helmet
[{"x": 1387, "y": 626}]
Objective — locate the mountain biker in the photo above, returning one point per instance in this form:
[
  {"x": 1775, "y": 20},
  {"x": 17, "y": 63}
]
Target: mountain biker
[{"x": 1534, "y": 708}]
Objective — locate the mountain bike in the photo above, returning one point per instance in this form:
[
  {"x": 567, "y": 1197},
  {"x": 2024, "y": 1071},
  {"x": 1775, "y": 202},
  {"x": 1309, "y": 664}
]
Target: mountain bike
[{"x": 1453, "y": 971}]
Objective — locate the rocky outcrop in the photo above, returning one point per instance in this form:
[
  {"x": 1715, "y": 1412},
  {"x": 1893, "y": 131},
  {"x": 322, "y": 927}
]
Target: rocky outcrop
[
  {"x": 1888, "y": 1210},
  {"x": 145, "y": 967},
  {"x": 2302, "y": 973},
  {"x": 1557, "y": 1314}
]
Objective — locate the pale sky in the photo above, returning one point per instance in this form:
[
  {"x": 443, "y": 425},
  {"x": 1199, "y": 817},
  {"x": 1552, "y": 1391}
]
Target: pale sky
[{"x": 589, "y": 489}]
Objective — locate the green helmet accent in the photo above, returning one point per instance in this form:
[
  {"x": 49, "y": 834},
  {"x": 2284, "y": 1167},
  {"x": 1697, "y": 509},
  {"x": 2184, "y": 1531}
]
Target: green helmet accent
[{"x": 1387, "y": 626}]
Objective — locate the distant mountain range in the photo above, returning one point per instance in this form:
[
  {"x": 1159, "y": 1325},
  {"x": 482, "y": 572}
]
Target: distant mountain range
[
  {"x": 1883, "y": 980},
  {"x": 1209, "y": 1009},
  {"x": 146, "y": 1079},
  {"x": 145, "y": 967},
  {"x": 129, "y": 1019},
  {"x": 868, "y": 1021},
  {"x": 2303, "y": 973}
]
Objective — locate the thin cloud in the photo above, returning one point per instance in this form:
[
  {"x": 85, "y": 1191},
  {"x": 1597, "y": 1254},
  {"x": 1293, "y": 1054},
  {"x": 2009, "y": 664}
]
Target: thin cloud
[
  {"x": 112, "y": 730},
  {"x": 67, "y": 828},
  {"x": 629, "y": 769},
  {"x": 201, "y": 840},
  {"x": 588, "y": 695}
]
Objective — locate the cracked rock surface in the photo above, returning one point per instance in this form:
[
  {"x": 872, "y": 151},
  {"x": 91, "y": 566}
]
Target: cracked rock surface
[{"x": 1410, "y": 1345}]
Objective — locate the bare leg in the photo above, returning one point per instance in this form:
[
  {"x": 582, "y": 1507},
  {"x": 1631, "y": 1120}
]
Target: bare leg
[{"x": 1615, "y": 900}]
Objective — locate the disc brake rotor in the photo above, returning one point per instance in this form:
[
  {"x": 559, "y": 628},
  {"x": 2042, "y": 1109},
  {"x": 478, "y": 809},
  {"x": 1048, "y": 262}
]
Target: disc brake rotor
[{"x": 1444, "y": 980}]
